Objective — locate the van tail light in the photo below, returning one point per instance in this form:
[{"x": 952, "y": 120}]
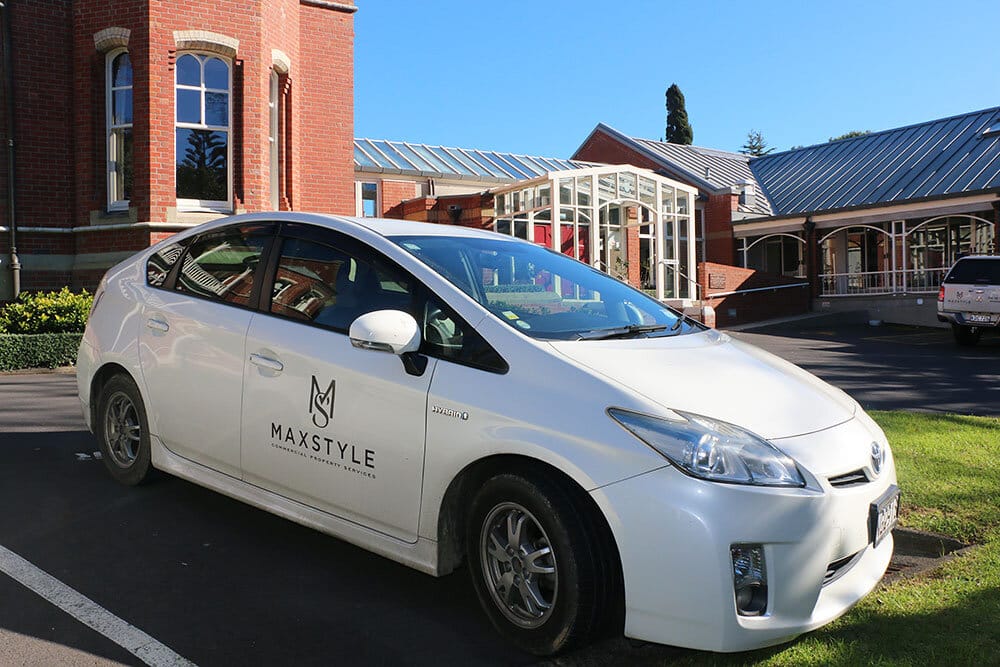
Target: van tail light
[{"x": 941, "y": 294}]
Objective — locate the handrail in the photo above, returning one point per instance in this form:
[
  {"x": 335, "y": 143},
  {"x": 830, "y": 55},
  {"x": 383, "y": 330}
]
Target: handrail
[{"x": 755, "y": 289}]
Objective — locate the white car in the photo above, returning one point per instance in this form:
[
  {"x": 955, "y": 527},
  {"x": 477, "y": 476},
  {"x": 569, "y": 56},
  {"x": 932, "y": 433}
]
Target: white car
[
  {"x": 969, "y": 298},
  {"x": 441, "y": 395}
]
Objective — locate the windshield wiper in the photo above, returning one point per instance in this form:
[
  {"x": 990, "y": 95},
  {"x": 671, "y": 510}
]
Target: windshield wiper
[{"x": 620, "y": 332}]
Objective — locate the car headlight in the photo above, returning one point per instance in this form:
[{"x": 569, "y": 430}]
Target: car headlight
[{"x": 712, "y": 449}]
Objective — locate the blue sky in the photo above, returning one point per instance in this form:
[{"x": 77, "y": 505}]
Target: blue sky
[{"x": 536, "y": 76}]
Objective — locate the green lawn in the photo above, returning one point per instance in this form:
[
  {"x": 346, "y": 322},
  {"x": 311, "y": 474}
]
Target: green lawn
[{"x": 949, "y": 472}]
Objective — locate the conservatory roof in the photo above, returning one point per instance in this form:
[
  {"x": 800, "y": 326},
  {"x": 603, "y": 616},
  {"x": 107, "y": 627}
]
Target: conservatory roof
[{"x": 401, "y": 157}]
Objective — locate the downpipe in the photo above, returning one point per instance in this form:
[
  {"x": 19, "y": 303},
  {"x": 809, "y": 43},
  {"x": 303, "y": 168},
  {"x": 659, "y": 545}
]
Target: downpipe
[{"x": 8, "y": 93}]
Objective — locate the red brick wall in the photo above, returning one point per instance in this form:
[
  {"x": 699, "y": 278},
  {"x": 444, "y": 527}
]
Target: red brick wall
[
  {"x": 752, "y": 306},
  {"x": 602, "y": 148},
  {"x": 324, "y": 97},
  {"x": 720, "y": 245},
  {"x": 394, "y": 193}
]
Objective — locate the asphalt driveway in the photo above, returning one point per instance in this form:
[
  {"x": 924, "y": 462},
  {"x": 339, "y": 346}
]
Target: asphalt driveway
[
  {"x": 893, "y": 367},
  {"x": 222, "y": 583}
]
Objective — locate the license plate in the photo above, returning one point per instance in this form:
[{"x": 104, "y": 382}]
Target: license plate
[
  {"x": 979, "y": 319},
  {"x": 883, "y": 514}
]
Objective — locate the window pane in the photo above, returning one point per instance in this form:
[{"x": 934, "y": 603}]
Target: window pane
[
  {"x": 216, "y": 74},
  {"x": 188, "y": 71},
  {"x": 188, "y": 106},
  {"x": 369, "y": 199},
  {"x": 217, "y": 109},
  {"x": 120, "y": 148},
  {"x": 222, "y": 266},
  {"x": 202, "y": 165},
  {"x": 121, "y": 71},
  {"x": 304, "y": 284},
  {"x": 121, "y": 107},
  {"x": 325, "y": 285},
  {"x": 160, "y": 263}
]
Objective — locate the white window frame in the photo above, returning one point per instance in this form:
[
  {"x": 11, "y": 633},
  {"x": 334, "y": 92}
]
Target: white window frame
[
  {"x": 359, "y": 204},
  {"x": 274, "y": 166},
  {"x": 207, "y": 205},
  {"x": 114, "y": 204}
]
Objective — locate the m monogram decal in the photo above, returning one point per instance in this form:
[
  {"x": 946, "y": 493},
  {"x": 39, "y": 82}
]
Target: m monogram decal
[{"x": 321, "y": 403}]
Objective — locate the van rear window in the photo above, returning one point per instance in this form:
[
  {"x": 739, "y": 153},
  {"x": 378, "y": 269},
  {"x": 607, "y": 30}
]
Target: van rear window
[{"x": 972, "y": 271}]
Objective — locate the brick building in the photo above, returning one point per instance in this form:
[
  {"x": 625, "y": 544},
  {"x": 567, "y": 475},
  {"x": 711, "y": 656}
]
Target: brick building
[{"x": 133, "y": 119}]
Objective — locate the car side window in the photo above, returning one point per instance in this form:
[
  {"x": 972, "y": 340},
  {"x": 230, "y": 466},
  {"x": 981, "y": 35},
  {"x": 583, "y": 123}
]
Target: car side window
[
  {"x": 332, "y": 287},
  {"x": 222, "y": 265},
  {"x": 160, "y": 263},
  {"x": 330, "y": 281}
]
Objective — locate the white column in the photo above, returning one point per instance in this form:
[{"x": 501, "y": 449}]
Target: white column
[{"x": 692, "y": 251}]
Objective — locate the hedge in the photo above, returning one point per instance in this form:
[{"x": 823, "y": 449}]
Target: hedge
[{"x": 48, "y": 350}]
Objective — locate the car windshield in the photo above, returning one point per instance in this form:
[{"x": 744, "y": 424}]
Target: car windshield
[
  {"x": 970, "y": 271},
  {"x": 544, "y": 294}
]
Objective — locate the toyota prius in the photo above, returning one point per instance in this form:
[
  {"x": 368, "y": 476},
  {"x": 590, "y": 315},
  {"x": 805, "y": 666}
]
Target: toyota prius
[{"x": 450, "y": 397}]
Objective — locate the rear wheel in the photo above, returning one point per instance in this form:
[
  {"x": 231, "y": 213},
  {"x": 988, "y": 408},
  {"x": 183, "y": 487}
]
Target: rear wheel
[
  {"x": 123, "y": 431},
  {"x": 542, "y": 568},
  {"x": 967, "y": 336}
]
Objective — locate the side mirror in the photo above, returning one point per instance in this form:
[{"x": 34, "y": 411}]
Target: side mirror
[{"x": 386, "y": 331}]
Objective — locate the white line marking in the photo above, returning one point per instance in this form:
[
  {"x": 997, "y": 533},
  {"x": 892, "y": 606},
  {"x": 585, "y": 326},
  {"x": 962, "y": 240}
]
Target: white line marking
[{"x": 88, "y": 612}]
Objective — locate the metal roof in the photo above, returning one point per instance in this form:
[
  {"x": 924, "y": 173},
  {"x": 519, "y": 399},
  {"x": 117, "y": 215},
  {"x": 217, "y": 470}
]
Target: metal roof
[
  {"x": 708, "y": 168},
  {"x": 942, "y": 157},
  {"x": 401, "y": 157}
]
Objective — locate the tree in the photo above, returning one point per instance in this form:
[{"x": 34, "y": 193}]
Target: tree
[
  {"x": 755, "y": 145},
  {"x": 202, "y": 172},
  {"x": 678, "y": 128},
  {"x": 851, "y": 135}
]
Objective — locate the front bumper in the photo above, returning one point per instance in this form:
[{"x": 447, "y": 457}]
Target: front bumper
[{"x": 674, "y": 534}]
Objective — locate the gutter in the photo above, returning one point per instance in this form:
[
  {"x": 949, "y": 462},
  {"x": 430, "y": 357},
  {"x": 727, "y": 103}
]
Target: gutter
[{"x": 8, "y": 94}]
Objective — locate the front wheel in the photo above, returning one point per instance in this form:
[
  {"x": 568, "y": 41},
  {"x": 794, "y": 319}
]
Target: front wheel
[
  {"x": 541, "y": 568},
  {"x": 123, "y": 431},
  {"x": 966, "y": 336}
]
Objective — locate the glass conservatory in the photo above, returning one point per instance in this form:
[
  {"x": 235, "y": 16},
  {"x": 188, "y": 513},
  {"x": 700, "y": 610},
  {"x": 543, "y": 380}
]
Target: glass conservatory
[{"x": 628, "y": 222}]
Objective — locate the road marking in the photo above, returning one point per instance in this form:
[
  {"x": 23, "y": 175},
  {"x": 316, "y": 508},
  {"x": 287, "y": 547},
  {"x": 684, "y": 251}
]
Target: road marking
[{"x": 88, "y": 612}]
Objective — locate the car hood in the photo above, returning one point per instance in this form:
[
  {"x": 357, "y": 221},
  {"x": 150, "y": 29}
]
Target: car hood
[{"x": 711, "y": 374}]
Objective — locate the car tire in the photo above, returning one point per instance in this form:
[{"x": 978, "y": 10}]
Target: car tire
[
  {"x": 123, "y": 431},
  {"x": 531, "y": 542},
  {"x": 966, "y": 336}
]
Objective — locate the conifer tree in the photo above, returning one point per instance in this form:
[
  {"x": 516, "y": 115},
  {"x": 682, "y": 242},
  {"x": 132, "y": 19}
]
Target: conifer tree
[{"x": 678, "y": 128}]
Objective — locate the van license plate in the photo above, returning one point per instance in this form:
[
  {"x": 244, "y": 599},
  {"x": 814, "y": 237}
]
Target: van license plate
[{"x": 883, "y": 514}]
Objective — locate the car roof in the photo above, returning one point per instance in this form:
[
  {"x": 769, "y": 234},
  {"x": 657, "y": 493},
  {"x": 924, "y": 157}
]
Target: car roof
[{"x": 388, "y": 227}]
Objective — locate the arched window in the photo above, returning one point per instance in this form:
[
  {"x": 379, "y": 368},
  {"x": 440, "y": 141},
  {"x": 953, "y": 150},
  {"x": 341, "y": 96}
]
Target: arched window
[
  {"x": 203, "y": 133},
  {"x": 119, "y": 130}
]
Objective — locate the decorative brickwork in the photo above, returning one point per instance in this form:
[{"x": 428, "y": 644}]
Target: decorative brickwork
[
  {"x": 111, "y": 38},
  {"x": 206, "y": 40}
]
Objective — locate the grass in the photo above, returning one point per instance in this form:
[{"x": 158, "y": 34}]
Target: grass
[{"x": 949, "y": 470}]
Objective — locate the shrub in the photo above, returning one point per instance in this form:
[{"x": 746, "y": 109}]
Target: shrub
[
  {"x": 49, "y": 350},
  {"x": 46, "y": 312}
]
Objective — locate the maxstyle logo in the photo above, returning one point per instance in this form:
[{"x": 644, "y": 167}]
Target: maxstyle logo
[{"x": 321, "y": 403}]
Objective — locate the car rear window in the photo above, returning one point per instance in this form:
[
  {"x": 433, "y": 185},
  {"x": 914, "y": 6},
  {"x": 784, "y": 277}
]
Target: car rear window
[{"x": 971, "y": 271}]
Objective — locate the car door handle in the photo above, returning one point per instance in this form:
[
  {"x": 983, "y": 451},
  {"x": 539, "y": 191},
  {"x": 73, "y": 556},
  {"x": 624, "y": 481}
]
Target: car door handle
[
  {"x": 266, "y": 362},
  {"x": 157, "y": 325}
]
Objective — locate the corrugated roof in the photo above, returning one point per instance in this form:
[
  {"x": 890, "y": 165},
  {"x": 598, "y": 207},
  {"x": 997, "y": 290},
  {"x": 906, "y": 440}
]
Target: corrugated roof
[
  {"x": 401, "y": 157},
  {"x": 942, "y": 157},
  {"x": 708, "y": 168}
]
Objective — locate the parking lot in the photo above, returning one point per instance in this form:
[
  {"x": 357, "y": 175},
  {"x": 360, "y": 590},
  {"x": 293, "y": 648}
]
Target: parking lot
[{"x": 218, "y": 582}]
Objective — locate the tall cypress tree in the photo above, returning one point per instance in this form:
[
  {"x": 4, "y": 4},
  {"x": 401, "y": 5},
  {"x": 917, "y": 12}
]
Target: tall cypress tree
[{"x": 678, "y": 128}]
